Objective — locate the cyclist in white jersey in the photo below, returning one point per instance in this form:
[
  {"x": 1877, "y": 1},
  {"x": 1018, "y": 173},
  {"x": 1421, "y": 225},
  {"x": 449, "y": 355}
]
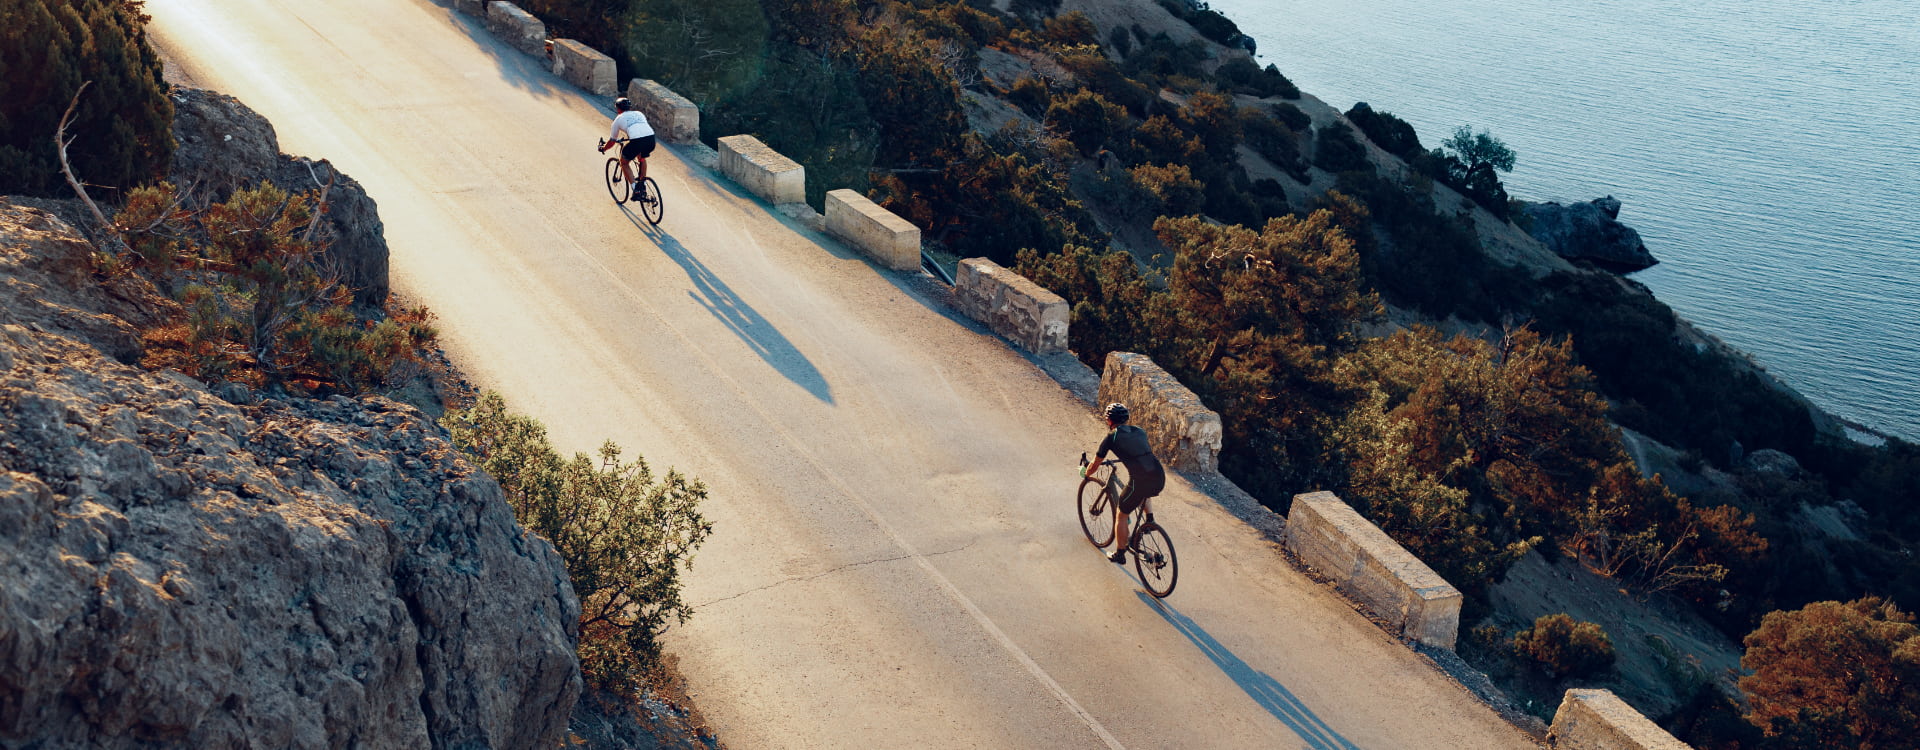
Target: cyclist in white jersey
[{"x": 631, "y": 125}]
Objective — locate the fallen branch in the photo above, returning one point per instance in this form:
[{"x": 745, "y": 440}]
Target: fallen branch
[{"x": 60, "y": 143}]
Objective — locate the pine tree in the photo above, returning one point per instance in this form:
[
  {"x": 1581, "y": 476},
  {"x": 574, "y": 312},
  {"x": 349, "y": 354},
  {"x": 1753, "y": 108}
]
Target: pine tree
[{"x": 122, "y": 128}]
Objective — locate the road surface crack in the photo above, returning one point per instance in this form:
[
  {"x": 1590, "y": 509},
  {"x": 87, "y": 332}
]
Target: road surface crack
[{"x": 828, "y": 572}]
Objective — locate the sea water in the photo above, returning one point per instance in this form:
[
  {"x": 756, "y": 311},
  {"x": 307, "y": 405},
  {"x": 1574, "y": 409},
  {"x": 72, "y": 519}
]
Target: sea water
[{"x": 1768, "y": 152}]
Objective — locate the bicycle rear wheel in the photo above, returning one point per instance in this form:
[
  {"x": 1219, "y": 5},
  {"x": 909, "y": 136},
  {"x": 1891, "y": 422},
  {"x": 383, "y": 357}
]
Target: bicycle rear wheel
[
  {"x": 649, "y": 200},
  {"x": 1096, "y": 512},
  {"x": 616, "y": 183},
  {"x": 1154, "y": 560}
]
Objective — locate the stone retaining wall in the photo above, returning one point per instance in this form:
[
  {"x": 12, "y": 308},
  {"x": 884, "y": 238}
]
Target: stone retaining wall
[
  {"x": 762, "y": 171},
  {"x": 584, "y": 66},
  {"x": 1185, "y": 434},
  {"x": 1029, "y": 316},
  {"x": 673, "y": 117},
  {"x": 517, "y": 27},
  {"x": 476, "y": 8},
  {"x": 1330, "y": 537},
  {"x": 873, "y": 230},
  {"x": 1599, "y": 720}
]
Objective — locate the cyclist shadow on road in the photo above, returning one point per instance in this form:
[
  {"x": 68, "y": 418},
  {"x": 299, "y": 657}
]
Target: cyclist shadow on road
[
  {"x": 740, "y": 318},
  {"x": 1261, "y": 687}
]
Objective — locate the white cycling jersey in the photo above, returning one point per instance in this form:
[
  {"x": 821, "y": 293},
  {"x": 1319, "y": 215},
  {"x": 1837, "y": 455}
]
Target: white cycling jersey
[{"x": 632, "y": 124}]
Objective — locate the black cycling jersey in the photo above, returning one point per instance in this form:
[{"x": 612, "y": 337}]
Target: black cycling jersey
[{"x": 1145, "y": 476}]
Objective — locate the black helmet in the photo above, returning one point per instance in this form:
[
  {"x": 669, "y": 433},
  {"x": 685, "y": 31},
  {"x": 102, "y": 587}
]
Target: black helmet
[
  {"x": 622, "y": 104},
  {"x": 1117, "y": 413}
]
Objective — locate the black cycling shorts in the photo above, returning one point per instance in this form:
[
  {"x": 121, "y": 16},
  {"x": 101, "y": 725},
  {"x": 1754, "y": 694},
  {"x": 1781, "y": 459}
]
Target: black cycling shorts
[
  {"x": 638, "y": 148},
  {"x": 1146, "y": 485}
]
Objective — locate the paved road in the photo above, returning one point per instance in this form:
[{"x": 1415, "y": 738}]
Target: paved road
[{"x": 896, "y": 562}]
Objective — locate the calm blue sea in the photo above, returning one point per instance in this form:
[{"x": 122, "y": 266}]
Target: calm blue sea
[{"x": 1768, "y": 152}]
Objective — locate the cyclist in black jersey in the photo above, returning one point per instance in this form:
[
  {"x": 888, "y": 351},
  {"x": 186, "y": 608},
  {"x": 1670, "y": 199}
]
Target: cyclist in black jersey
[{"x": 1145, "y": 476}]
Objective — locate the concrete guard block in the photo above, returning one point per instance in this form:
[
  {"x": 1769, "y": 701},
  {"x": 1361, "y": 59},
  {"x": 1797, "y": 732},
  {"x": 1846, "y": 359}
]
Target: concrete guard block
[
  {"x": 1013, "y": 306},
  {"x": 517, "y": 27},
  {"x": 475, "y": 8},
  {"x": 762, "y": 171},
  {"x": 673, "y": 117},
  {"x": 1593, "y": 719},
  {"x": 583, "y": 66},
  {"x": 873, "y": 230},
  {"x": 1184, "y": 433},
  {"x": 1332, "y": 538}
]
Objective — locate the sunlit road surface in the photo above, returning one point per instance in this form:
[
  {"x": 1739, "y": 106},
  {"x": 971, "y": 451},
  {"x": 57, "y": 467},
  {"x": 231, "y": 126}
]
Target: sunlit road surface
[{"x": 896, "y": 562}]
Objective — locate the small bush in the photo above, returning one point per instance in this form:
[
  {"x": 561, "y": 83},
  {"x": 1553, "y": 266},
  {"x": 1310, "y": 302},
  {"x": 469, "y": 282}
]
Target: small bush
[
  {"x": 1173, "y": 184},
  {"x": 1390, "y": 133},
  {"x": 624, "y": 535},
  {"x": 1565, "y": 647},
  {"x": 1337, "y": 151}
]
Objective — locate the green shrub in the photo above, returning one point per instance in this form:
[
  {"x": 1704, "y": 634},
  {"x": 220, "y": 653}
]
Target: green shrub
[
  {"x": 1273, "y": 141},
  {"x": 122, "y": 130},
  {"x": 1088, "y": 120},
  {"x": 624, "y": 534},
  {"x": 259, "y": 309},
  {"x": 1836, "y": 675},
  {"x": 1243, "y": 76},
  {"x": 1172, "y": 185},
  {"x": 1565, "y": 647},
  {"x": 1336, "y": 150},
  {"x": 1031, "y": 96},
  {"x": 1390, "y": 133}
]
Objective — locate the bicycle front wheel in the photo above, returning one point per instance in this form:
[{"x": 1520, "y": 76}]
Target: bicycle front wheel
[
  {"x": 649, "y": 199},
  {"x": 1154, "y": 560},
  {"x": 1096, "y": 513},
  {"x": 616, "y": 182}
]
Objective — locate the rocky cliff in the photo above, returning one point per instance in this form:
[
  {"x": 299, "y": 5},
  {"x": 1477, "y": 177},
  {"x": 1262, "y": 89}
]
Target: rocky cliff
[
  {"x": 224, "y": 146},
  {"x": 1589, "y": 231},
  {"x": 189, "y": 567}
]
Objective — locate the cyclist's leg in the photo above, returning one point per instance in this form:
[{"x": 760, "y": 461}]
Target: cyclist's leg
[
  {"x": 626, "y": 169},
  {"x": 1120, "y": 540}
]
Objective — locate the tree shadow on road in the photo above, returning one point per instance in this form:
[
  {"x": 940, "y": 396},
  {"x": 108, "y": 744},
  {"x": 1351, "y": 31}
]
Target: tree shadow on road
[
  {"x": 740, "y": 318},
  {"x": 1261, "y": 687}
]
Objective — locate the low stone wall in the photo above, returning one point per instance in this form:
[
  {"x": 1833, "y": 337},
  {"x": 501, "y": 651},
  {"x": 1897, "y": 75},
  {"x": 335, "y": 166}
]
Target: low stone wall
[
  {"x": 584, "y": 66},
  {"x": 762, "y": 171},
  {"x": 476, "y": 8},
  {"x": 673, "y": 117},
  {"x": 1330, "y": 537},
  {"x": 1014, "y": 307},
  {"x": 873, "y": 230},
  {"x": 517, "y": 27},
  {"x": 1592, "y": 719},
  {"x": 1185, "y": 434}
]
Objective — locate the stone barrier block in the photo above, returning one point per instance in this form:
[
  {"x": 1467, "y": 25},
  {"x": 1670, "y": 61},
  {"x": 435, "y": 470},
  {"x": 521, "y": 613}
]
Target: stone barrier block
[
  {"x": 475, "y": 8},
  {"x": 762, "y": 171},
  {"x": 1184, "y": 433},
  {"x": 873, "y": 230},
  {"x": 517, "y": 27},
  {"x": 1029, "y": 316},
  {"x": 583, "y": 66},
  {"x": 673, "y": 117},
  {"x": 1328, "y": 535},
  {"x": 1593, "y": 719}
]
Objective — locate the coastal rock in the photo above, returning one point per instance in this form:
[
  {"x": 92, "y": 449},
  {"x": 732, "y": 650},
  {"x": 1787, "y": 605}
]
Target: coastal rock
[
  {"x": 185, "y": 569},
  {"x": 1589, "y": 231},
  {"x": 225, "y": 146}
]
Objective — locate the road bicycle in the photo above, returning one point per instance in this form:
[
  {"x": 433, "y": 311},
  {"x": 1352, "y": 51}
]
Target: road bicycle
[
  {"x": 622, "y": 192},
  {"x": 1152, "y": 550}
]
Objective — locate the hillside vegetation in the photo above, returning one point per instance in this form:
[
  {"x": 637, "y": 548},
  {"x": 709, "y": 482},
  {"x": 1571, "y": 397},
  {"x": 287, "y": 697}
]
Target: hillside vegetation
[{"x": 1192, "y": 206}]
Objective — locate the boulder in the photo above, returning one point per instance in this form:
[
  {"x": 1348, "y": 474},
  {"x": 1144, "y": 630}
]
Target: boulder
[
  {"x": 1591, "y": 232},
  {"x": 225, "y": 146},
  {"x": 185, "y": 569}
]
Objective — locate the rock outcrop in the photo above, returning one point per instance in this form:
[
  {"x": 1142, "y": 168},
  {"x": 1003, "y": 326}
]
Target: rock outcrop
[
  {"x": 180, "y": 568},
  {"x": 1591, "y": 232},
  {"x": 225, "y": 146}
]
